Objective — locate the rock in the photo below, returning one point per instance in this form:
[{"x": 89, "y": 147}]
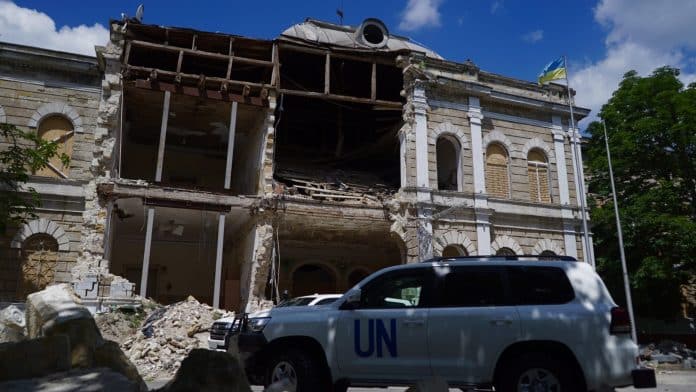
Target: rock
[
  {"x": 109, "y": 355},
  {"x": 55, "y": 311},
  {"x": 209, "y": 371},
  {"x": 12, "y": 324},
  {"x": 74, "y": 381},
  {"x": 34, "y": 358}
]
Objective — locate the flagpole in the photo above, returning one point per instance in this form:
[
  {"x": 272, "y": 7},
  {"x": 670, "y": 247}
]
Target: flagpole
[
  {"x": 579, "y": 181},
  {"x": 627, "y": 287}
]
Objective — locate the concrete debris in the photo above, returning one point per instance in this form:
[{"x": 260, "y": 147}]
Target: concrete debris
[
  {"x": 77, "y": 380},
  {"x": 667, "y": 352},
  {"x": 166, "y": 336},
  {"x": 12, "y": 324}
]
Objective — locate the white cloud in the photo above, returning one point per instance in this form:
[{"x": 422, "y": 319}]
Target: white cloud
[
  {"x": 419, "y": 14},
  {"x": 533, "y": 36},
  {"x": 642, "y": 35},
  {"x": 31, "y": 27}
]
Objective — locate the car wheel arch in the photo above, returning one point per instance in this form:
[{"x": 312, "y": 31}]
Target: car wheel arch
[
  {"x": 555, "y": 348},
  {"x": 304, "y": 343}
]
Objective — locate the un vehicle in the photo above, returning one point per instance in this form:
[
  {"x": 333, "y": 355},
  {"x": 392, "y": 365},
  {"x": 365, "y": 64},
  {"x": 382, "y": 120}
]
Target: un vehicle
[{"x": 515, "y": 323}]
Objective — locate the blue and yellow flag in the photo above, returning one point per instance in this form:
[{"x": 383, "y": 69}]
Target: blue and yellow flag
[{"x": 553, "y": 70}]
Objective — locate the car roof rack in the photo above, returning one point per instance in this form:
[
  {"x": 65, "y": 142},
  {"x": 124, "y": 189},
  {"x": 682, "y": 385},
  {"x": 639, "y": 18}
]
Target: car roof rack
[{"x": 506, "y": 258}]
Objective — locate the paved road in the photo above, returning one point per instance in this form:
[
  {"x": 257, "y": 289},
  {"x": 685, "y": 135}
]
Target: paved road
[{"x": 667, "y": 381}]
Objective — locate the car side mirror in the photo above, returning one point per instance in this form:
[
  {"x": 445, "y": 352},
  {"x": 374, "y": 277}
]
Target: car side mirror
[{"x": 352, "y": 299}]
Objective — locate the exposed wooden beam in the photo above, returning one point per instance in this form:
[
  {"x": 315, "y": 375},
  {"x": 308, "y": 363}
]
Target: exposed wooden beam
[
  {"x": 201, "y": 53},
  {"x": 195, "y": 78},
  {"x": 327, "y": 74},
  {"x": 126, "y": 56},
  {"x": 373, "y": 90},
  {"x": 336, "y": 54},
  {"x": 230, "y": 145},
  {"x": 163, "y": 136},
  {"x": 276, "y": 66},
  {"x": 195, "y": 92},
  {"x": 337, "y": 97}
]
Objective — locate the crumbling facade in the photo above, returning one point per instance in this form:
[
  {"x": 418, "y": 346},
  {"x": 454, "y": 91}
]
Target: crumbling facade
[{"x": 232, "y": 168}]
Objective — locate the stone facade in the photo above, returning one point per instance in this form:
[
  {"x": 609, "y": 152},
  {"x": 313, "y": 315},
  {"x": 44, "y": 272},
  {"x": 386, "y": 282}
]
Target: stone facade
[{"x": 234, "y": 186}]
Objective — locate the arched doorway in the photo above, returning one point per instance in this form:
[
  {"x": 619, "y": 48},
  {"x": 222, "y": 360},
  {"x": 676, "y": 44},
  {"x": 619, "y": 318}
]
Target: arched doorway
[
  {"x": 312, "y": 278},
  {"x": 454, "y": 251},
  {"x": 505, "y": 251},
  {"x": 356, "y": 276},
  {"x": 38, "y": 265}
]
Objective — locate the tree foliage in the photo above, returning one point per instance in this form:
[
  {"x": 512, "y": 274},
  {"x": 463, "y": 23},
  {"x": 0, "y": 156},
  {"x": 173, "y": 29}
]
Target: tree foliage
[
  {"x": 651, "y": 126},
  {"x": 21, "y": 154}
]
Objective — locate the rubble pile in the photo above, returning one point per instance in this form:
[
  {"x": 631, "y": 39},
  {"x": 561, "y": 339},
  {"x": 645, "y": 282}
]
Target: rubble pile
[
  {"x": 668, "y": 352},
  {"x": 167, "y": 336}
]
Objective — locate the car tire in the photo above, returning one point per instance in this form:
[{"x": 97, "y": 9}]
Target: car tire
[
  {"x": 301, "y": 370},
  {"x": 537, "y": 371}
]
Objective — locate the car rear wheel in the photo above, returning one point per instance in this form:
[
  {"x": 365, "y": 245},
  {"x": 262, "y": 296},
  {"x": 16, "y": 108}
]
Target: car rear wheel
[
  {"x": 295, "y": 370},
  {"x": 536, "y": 372}
]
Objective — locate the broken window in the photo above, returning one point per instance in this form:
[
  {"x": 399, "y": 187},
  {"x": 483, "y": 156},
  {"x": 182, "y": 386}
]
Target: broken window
[
  {"x": 448, "y": 165},
  {"x": 538, "y": 174}
]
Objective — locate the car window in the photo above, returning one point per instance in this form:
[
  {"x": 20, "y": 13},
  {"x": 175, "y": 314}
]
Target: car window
[
  {"x": 532, "y": 285},
  {"x": 397, "y": 289},
  {"x": 326, "y": 301},
  {"x": 473, "y": 286},
  {"x": 296, "y": 302}
]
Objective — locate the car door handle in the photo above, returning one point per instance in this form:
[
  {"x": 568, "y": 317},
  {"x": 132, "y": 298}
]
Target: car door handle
[
  {"x": 413, "y": 322},
  {"x": 501, "y": 322}
]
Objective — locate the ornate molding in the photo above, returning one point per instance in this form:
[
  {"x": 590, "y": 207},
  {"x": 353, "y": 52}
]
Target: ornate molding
[
  {"x": 547, "y": 244},
  {"x": 57, "y": 108},
  {"x": 41, "y": 226},
  {"x": 541, "y": 145},
  {"x": 447, "y": 128},
  {"x": 503, "y": 241},
  {"x": 453, "y": 238}
]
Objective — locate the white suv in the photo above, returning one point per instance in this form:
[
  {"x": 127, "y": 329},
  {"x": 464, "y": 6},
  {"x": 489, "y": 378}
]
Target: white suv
[{"x": 521, "y": 323}]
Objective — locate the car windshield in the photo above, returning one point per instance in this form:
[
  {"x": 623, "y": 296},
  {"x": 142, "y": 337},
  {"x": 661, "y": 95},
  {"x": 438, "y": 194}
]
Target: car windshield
[{"x": 300, "y": 301}]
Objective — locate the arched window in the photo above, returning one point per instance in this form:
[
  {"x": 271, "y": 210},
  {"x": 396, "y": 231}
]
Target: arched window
[
  {"x": 505, "y": 251},
  {"x": 448, "y": 167},
  {"x": 497, "y": 179},
  {"x": 548, "y": 253},
  {"x": 538, "y": 173},
  {"x": 60, "y": 130},
  {"x": 39, "y": 258},
  {"x": 454, "y": 251}
]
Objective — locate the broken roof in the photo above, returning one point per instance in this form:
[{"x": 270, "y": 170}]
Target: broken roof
[{"x": 319, "y": 32}]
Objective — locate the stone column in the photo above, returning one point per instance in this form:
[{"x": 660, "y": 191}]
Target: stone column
[
  {"x": 420, "y": 123},
  {"x": 483, "y": 232},
  {"x": 569, "y": 238}
]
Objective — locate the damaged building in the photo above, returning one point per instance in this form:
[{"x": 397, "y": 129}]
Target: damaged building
[{"x": 232, "y": 168}]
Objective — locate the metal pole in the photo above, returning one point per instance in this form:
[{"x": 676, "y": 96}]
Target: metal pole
[
  {"x": 627, "y": 287},
  {"x": 579, "y": 182}
]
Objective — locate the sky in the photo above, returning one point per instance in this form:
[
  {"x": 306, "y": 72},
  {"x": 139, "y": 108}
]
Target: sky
[{"x": 602, "y": 39}]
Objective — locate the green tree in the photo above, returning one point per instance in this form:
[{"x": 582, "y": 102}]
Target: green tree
[
  {"x": 21, "y": 153},
  {"x": 651, "y": 125}
]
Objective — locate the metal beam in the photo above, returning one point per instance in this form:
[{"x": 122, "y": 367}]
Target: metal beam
[
  {"x": 163, "y": 136},
  {"x": 146, "y": 254},
  {"x": 230, "y": 145},
  {"x": 218, "y": 261}
]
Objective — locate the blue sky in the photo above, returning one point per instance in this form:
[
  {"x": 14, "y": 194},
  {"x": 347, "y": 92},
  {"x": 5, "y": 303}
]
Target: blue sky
[{"x": 602, "y": 38}]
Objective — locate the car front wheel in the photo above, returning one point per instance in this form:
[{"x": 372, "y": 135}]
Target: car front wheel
[{"x": 294, "y": 371}]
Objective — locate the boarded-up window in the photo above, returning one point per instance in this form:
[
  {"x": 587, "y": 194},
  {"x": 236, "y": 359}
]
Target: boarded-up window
[
  {"x": 447, "y": 153},
  {"x": 497, "y": 179},
  {"x": 59, "y": 130},
  {"x": 538, "y": 174}
]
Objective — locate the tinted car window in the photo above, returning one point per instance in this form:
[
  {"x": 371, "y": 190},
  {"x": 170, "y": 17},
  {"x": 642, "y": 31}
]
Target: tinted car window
[
  {"x": 533, "y": 285},
  {"x": 473, "y": 286},
  {"x": 296, "y": 302},
  {"x": 326, "y": 301},
  {"x": 397, "y": 289}
]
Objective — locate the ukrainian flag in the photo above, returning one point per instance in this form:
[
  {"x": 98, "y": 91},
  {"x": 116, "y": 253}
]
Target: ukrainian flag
[{"x": 553, "y": 70}]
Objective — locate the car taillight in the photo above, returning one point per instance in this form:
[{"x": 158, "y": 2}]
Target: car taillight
[{"x": 620, "y": 322}]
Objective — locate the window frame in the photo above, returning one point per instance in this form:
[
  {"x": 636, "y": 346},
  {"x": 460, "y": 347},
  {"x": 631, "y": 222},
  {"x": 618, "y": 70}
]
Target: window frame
[
  {"x": 516, "y": 299},
  {"x": 438, "y": 301}
]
